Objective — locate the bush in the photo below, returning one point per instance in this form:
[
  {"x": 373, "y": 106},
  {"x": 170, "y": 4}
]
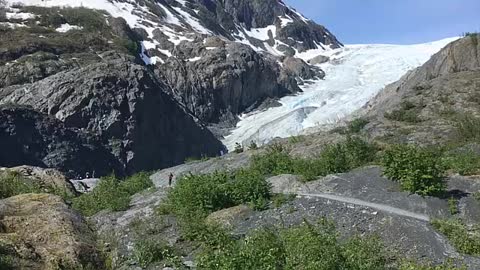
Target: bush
[
  {"x": 111, "y": 194},
  {"x": 301, "y": 247},
  {"x": 453, "y": 206},
  {"x": 353, "y": 127},
  {"x": 408, "y": 112},
  {"x": 419, "y": 170},
  {"x": 207, "y": 193},
  {"x": 149, "y": 251},
  {"x": 337, "y": 158},
  {"x": 464, "y": 162},
  {"x": 466, "y": 240}
]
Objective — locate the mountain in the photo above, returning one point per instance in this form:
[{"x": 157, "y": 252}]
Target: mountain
[{"x": 148, "y": 77}]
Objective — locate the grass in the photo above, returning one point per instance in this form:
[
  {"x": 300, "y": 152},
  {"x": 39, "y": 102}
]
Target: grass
[
  {"x": 13, "y": 183},
  {"x": 408, "y": 112},
  {"x": 112, "y": 194},
  {"x": 417, "y": 169},
  {"x": 465, "y": 239},
  {"x": 468, "y": 128}
]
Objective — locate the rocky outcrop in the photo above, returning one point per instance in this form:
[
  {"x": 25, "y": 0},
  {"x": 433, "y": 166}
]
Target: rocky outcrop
[
  {"x": 291, "y": 27},
  {"x": 29, "y": 137},
  {"x": 218, "y": 83},
  {"x": 125, "y": 106},
  {"x": 297, "y": 68},
  {"x": 40, "y": 232},
  {"x": 444, "y": 89},
  {"x": 48, "y": 179},
  {"x": 456, "y": 58}
]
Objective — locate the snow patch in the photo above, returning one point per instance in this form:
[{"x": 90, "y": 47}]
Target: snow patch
[
  {"x": 262, "y": 33},
  {"x": 67, "y": 27},
  {"x": 20, "y": 16}
]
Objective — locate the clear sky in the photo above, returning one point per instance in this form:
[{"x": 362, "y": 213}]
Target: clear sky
[{"x": 392, "y": 21}]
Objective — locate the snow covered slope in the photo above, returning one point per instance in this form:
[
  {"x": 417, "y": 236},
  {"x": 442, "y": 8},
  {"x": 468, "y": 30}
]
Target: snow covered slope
[
  {"x": 267, "y": 26},
  {"x": 354, "y": 75}
]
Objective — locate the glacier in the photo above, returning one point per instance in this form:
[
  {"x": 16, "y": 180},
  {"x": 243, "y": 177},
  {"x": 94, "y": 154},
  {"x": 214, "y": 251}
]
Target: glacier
[{"x": 354, "y": 75}]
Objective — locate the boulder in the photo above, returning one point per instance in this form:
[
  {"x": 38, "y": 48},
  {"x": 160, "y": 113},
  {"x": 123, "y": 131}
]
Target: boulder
[
  {"x": 48, "y": 178},
  {"x": 40, "y": 232},
  {"x": 320, "y": 59},
  {"x": 230, "y": 216}
]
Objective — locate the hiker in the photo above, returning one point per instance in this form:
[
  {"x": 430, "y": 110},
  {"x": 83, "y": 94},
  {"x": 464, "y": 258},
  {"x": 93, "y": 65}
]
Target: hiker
[{"x": 170, "y": 178}]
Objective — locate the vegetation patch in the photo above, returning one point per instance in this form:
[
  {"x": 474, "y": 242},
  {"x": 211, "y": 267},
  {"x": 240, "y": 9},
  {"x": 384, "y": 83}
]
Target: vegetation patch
[
  {"x": 353, "y": 127},
  {"x": 417, "y": 169},
  {"x": 337, "y": 158},
  {"x": 112, "y": 194},
  {"x": 13, "y": 183},
  {"x": 466, "y": 239},
  {"x": 408, "y": 112},
  {"x": 463, "y": 162},
  {"x": 468, "y": 127},
  {"x": 149, "y": 251}
]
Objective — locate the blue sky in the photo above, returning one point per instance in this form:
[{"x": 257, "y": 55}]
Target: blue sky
[{"x": 392, "y": 21}]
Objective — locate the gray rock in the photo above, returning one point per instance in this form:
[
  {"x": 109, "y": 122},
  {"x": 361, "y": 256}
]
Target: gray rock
[
  {"x": 298, "y": 68},
  {"x": 31, "y": 138},
  {"x": 127, "y": 107},
  {"x": 217, "y": 83},
  {"x": 320, "y": 59}
]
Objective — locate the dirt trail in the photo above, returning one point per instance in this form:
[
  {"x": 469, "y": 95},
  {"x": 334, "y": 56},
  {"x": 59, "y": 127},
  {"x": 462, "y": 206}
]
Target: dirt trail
[{"x": 377, "y": 206}]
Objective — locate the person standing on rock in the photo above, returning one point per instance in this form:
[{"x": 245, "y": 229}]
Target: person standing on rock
[{"x": 170, "y": 179}]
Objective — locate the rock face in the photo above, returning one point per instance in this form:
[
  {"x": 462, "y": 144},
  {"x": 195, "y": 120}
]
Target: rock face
[
  {"x": 288, "y": 26},
  {"x": 444, "y": 88},
  {"x": 126, "y": 106},
  {"x": 218, "y": 83},
  {"x": 41, "y": 232},
  {"x": 29, "y": 137}
]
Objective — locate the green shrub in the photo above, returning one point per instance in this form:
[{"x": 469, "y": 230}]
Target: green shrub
[
  {"x": 468, "y": 127},
  {"x": 464, "y": 162},
  {"x": 419, "y": 170},
  {"x": 112, "y": 194},
  {"x": 408, "y": 112},
  {"x": 207, "y": 193},
  {"x": 356, "y": 125},
  {"x": 300, "y": 247},
  {"x": 477, "y": 196},
  {"x": 312, "y": 247},
  {"x": 466, "y": 240},
  {"x": 149, "y": 251},
  {"x": 362, "y": 253},
  {"x": 337, "y": 158},
  {"x": 453, "y": 206},
  {"x": 281, "y": 199},
  {"x": 12, "y": 184}
]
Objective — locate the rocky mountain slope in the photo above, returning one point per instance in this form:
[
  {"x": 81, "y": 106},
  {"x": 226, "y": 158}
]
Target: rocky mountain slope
[{"x": 146, "y": 77}]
